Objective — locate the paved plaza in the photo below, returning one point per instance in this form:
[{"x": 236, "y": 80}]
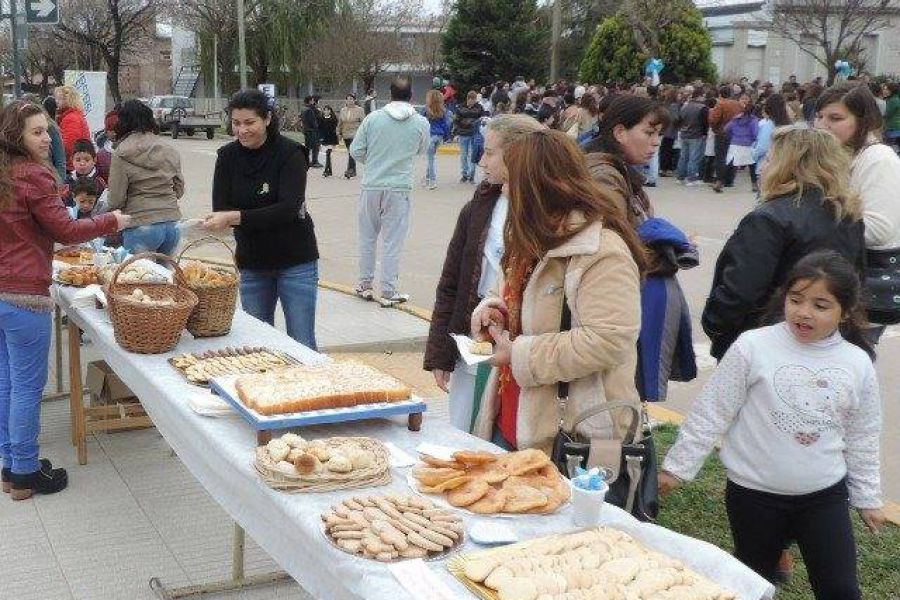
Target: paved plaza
[{"x": 135, "y": 512}]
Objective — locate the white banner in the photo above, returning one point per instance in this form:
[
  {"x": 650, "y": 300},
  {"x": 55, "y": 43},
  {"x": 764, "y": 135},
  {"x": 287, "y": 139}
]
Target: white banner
[{"x": 91, "y": 85}]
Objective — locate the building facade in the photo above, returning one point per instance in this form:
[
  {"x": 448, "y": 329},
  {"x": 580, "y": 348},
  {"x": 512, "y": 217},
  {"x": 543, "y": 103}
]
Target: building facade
[{"x": 745, "y": 46}]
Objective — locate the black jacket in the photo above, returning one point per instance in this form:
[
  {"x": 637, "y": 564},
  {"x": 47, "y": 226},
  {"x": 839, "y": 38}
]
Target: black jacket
[
  {"x": 457, "y": 291},
  {"x": 310, "y": 118},
  {"x": 268, "y": 186},
  {"x": 466, "y": 119},
  {"x": 757, "y": 257}
]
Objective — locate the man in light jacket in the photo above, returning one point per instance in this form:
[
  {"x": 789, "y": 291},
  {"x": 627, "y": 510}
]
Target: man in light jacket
[{"x": 387, "y": 142}]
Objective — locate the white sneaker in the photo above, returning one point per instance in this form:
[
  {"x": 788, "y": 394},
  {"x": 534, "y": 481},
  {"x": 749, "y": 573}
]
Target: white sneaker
[
  {"x": 393, "y": 299},
  {"x": 365, "y": 293}
]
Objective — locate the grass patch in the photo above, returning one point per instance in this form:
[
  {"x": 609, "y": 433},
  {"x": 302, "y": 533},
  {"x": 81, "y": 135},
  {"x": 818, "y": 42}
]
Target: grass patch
[{"x": 697, "y": 509}]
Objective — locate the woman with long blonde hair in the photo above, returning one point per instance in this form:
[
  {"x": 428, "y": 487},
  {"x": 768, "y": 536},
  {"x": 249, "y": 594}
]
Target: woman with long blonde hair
[
  {"x": 567, "y": 243},
  {"x": 71, "y": 119},
  {"x": 807, "y": 206},
  {"x": 441, "y": 127}
]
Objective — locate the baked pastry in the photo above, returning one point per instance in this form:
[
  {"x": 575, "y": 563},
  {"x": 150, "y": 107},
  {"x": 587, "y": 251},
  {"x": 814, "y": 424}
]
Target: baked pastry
[
  {"x": 317, "y": 387},
  {"x": 484, "y": 348},
  {"x": 338, "y": 463},
  {"x": 392, "y": 527},
  {"x": 307, "y": 464},
  {"x": 201, "y": 275},
  {"x": 598, "y": 563},
  {"x": 485, "y": 483}
]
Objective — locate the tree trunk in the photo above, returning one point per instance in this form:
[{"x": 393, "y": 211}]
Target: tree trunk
[{"x": 112, "y": 79}]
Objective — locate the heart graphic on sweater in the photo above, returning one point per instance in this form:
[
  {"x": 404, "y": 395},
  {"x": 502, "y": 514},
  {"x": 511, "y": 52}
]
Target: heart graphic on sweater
[
  {"x": 807, "y": 439},
  {"x": 811, "y": 401}
]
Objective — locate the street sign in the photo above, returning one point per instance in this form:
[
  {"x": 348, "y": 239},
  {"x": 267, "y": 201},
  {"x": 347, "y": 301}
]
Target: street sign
[{"x": 42, "y": 12}]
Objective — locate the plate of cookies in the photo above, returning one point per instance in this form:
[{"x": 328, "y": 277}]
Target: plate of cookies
[
  {"x": 512, "y": 483},
  {"x": 293, "y": 464},
  {"x": 200, "y": 368},
  {"x": 392, "y": 528}
]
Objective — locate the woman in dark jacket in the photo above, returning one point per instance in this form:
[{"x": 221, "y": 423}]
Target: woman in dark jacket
[
  {"x": 328, "y": 124},
  {"x": 629, "y": 136},
  {"x": 259, "y": 189},
  {"x": 807, "y": 206},
  {"x": 472, "y": 268},
  {"x": 32, "y": 219}
]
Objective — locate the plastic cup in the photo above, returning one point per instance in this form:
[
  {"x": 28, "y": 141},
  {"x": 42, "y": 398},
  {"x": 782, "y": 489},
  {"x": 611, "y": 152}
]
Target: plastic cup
[{"x": 586, "y": 505}]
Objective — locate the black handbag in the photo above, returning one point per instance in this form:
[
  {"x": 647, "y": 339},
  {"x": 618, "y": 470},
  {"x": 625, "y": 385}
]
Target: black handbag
[
  {"x": 882, "y": 286},
  {"x": 630, "y": 463}
]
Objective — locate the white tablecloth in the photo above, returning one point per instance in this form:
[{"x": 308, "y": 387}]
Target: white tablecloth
[{"x": 219, "y": 453}]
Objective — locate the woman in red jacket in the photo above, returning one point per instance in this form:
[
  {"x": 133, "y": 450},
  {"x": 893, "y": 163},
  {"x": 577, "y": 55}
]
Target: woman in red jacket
[
  {"x": 32, "y": 218},
  {"x": 71, "y": 120}
]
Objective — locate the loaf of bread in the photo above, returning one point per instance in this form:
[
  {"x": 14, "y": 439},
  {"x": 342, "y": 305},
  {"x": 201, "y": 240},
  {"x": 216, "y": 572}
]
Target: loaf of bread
[{"x": 315, "y": 387}]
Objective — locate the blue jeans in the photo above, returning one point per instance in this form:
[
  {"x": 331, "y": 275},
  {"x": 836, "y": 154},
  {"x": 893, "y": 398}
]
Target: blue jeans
[
  {"x": 651, "y": 169},
  {"x": 296, "y": 287},
  {"x": 158, "y": 237},
  {"x": 477, "y": 150},
  {"x": 24, "y": 348},
  {"x": 430, "y": 174},
  {"x": 691, "y": 158},
  {"x": 466, "y": 150}
]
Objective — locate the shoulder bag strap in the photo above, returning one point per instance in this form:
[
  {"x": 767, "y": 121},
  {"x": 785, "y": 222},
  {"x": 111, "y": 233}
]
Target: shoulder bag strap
[{"x": 562, "y": 388}]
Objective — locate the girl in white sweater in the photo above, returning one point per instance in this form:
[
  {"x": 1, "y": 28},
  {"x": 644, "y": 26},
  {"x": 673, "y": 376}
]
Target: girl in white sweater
[{"x": 797, "y": 408}]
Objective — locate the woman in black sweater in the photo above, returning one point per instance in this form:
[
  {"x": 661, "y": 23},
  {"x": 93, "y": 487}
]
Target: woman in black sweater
[{"x": 259, "y": 189}]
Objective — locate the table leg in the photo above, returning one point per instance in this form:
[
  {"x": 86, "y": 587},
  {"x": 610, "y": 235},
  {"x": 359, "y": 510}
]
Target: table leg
[
  {"x": 237, "y": 553},
  {"x": 238, "y": 580},
  {"x": 414, "y": 421},
  {"x": 76, "y": 393},
  {"x": 57, "y": 326}
]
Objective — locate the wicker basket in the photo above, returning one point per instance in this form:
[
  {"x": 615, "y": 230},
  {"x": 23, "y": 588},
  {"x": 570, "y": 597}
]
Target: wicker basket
[
  {"x": 216, "y": 305},
  {"x": 379, "y": 473},
  {"x": 149, "y": 328}
]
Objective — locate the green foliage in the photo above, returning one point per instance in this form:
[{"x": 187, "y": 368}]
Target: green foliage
[
  {"x": 686, "y": 48},
  {"x": 487, "y": 40}
]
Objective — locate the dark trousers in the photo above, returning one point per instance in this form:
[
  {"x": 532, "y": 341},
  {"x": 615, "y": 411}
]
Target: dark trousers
[
  {"x": 311, "y": 137},
  {"x": 731, "y": 173},
  {"x": 351, "y": 162},
  {"x": 762, "y": 525},
  {"x": 668, "y": 155},
  {"x": 721, "y": 149}
]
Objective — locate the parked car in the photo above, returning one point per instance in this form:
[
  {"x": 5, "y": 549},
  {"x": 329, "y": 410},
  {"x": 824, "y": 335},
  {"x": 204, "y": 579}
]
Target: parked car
[{"x": 169, "y": 108}]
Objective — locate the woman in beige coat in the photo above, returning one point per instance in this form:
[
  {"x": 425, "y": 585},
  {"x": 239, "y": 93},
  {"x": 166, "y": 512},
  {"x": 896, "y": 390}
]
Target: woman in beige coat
[
  {"x": 349, "y": 120},
  {"x": 566, "y": 240}
]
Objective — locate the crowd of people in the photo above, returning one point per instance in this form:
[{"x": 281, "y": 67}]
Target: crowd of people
[{"x": 559, "y": 259}]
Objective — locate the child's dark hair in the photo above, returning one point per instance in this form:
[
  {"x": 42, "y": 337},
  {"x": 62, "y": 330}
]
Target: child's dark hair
[
  {"x": 842, "y": 280},
  {"x": 85, "y": 185},
  {"x": 262, "y": 105},
  {"x": 86, "y": 146},
  {"x": 860, "y": 103},
  {"x": 135, "y": 117}
]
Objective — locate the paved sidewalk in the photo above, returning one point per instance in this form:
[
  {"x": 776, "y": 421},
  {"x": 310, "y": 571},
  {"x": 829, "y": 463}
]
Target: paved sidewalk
[{"x": 134, "y": 511}]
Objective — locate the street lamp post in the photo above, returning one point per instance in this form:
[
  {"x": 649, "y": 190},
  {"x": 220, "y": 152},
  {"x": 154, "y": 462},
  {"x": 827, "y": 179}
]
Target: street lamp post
[
  {"x": 242, "y": 44},
  {"x": 16, "y": 60},
  {"x": 555, "y": 32}
]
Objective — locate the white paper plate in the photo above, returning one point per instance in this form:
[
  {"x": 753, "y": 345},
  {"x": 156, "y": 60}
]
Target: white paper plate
[{"x": 464, "y": 345}]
